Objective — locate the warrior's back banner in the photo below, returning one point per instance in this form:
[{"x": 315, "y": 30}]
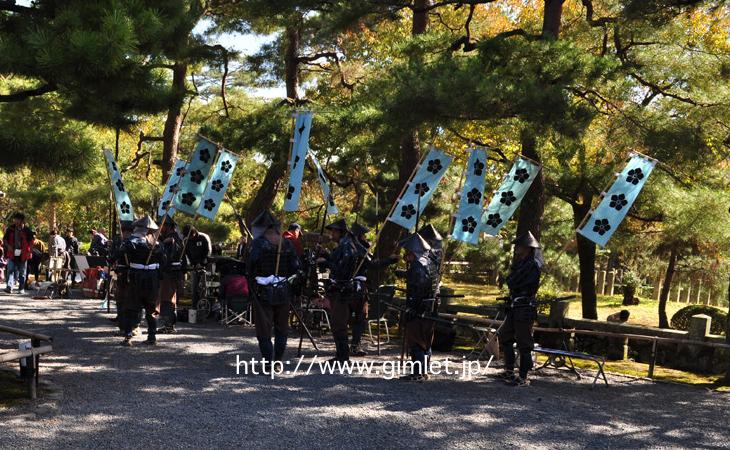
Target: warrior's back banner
[
  {"x": 172, "y": 183},
  {"x": 422, "y": 186},
  {"x": 219, "y": 182},
  {"x": 193, "y": 184},
  {"x": 509, "y": 195},
  {"x": 300, "y": 146},
  {"x": 470, "y": 208},
  {"x": 324, "y": 182},
  {"x": 603, "y": 221},
  {"x": 121, "y": 197}
]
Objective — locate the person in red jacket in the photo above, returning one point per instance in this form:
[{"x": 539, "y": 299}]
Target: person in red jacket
[
  {"x": 17, "y": 243},
  {"x": 294, "y": 235}
]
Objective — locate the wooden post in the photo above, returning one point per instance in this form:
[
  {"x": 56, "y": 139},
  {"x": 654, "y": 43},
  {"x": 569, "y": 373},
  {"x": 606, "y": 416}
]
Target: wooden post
[
  {"x": 610, "y": 282},
  {"x": 601, "y": 282},
  {"x": 652, "y": 362}
]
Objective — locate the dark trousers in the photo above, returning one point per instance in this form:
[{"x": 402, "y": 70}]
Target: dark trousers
[
  {"x": 194, "y": 281},
  {"x": 359, "y": 306},
  {"x": 518, "y": 328},
  {"x": 340, "y": 313},
  {"x": 170, "y": 287},
  {"x": 142, "y": 294},
  {"x": 266, "y": 318},
  {"x": 121, "y": 294},
  {"x": 34, "y": 268},
  {"x": 419, "y": 337}
]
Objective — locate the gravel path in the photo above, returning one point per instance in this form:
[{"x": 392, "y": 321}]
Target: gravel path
[{"x": 184, "y": 393}]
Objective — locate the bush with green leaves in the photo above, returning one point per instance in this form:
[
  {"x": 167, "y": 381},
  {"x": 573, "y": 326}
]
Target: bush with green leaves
[{"x": 681, "y": 319}]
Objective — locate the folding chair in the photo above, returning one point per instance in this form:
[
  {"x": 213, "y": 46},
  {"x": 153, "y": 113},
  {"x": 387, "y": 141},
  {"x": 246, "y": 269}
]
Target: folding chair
[
  {"x": 317, "y": 307},
  {"x": 237, "y": 310},
  {"x": 383, "y": 294}
]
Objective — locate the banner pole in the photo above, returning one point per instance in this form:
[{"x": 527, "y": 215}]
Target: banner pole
[
  {"x": 377, "y": 272},
  {"x": 452, "y": 222},
  {"x": 392, "y": 208},
  {"x": 286, "y": 177},
  {"x": 164, "y": 218}
]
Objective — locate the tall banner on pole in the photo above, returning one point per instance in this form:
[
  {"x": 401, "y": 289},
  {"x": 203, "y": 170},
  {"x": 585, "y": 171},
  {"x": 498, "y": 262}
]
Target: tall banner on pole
[
  {"x": 192, "y": 186},
  {"x": 121, "y": 197},
  {"x": 219, "y": 182},
  {"x": 172, "y": 184},
  {"x": 300, "y": 146},
  {"x": 326, "y": 188},
  {"x": 422, "y": 186},
  {"x": 600, "y": 224},
  {"x": 466, "y": 222},
  {"x": 509, "y": 195}
]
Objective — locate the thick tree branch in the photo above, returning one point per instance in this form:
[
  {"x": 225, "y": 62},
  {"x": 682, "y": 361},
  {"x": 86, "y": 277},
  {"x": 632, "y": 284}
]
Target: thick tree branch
[
  {"x": 601, "y": 21},
  {"x": 490, "y": 147},
  {"x": 24, "y": 95},
  {"x": 316, "y": 56}
]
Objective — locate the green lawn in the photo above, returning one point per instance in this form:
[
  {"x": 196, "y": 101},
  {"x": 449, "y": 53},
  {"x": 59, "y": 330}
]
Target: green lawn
[{"x": 645, "y": 313}]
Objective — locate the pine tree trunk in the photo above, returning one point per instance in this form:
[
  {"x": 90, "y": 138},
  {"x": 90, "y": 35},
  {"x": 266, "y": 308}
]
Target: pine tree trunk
[
  {"x": 586, "y": 262},
  {"x": 552, "y": 14},
  {"x": 666, "y": 286},
  {"x": 266, "y": 194},
  {"x": 410, "y": 149},
  {"x": 533, "y": 205},
  {"x": 171, "y": 133},
  {"x": 291, "y": 63}
]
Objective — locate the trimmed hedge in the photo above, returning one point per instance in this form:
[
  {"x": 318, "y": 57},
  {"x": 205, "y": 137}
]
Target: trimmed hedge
[{"x": 680, "y": 319}]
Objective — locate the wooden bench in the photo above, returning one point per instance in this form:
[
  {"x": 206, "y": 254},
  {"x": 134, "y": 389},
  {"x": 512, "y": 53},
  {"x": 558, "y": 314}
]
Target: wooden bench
[
  {"x": 31, "y": 357},
  {"x": 564, "y": 358}
]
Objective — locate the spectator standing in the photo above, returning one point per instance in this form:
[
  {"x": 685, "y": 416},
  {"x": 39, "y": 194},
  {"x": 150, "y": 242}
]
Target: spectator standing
[
  {"x": 17, "y": 242},
  {"x": 38, "y": 251},
  {"x": 98, "y": 243},
  {"x": 72, "y": 244},
  {"x": 294, "y": 235},
  {"x": 241, "y": 248},
  {"x": 3, "y": 264},
  {"x": 57, "y": 244}
]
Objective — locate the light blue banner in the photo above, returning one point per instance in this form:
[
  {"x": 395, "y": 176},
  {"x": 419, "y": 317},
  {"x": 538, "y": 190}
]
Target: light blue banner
[
  {"x": 329, "y": 200},
  {"x": 300, "y": 146},
  {"x": 466, "y": 224},
  {"x": 423, "y": 185},
  {"x": 603, "y": 221},
  {"x": 509, "y": 196},
  {"x": 172, "y": 185},
  {"x": 219, "y": 182},
  {"x": 190, "y": 194},
  {"x": 121, "y": 197}
]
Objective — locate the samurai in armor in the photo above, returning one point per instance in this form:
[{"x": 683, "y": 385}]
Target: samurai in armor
[
  {"x": 421, "y": 286},
  {"x": 342, "y": 263},
  {"x": 121, "y": 274},
  {"x": 359, "y": 303},
  {"x": 145, "y": 259},
  {"x": 429, "y": 233},
  {"x": 171, "y": 283},
  {"x": 523, "y": 282},
  {"x": 272, "y": 261}
]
